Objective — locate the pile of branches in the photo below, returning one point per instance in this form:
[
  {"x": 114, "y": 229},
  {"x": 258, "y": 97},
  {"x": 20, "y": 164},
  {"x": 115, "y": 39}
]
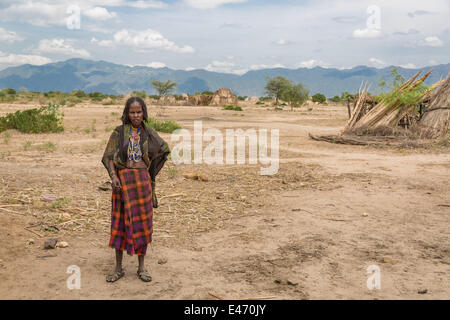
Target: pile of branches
[{"x": 393, "y": 113}]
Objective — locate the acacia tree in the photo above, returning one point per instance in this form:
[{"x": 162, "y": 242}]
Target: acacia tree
[
  {"x": 296, "y": 95},
  {"x": 163, "y": 88},
  {"x": 276, "y": 85}
]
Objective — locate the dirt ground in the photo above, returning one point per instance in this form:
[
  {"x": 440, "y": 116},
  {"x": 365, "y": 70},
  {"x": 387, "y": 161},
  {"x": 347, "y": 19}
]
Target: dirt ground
[{"x": 308, "y": 232}]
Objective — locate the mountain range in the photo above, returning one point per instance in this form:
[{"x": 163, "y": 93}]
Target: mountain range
[{"x": 110, "y": 78}]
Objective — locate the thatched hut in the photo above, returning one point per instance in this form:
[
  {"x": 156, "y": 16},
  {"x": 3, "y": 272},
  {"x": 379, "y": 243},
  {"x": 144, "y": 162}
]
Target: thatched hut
[{"x": 435, "y": 121}]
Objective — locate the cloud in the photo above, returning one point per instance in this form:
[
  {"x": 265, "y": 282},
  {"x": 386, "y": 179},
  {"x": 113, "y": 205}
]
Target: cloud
[
  {"x": 233, "y": 25},
  {"x": 35, "y": 13},
  {"x": 103, "y": 43},
  {"x": 283, "y": 42},
  {"x": 54, "y": 12},
  {"x": 220, "y": 66},
  {"x": 209, "y": 4},
  {"x": 377, "y": 62},
  {"x": 148, "y": 39},
  {"x": 311, "y": 64},
  {"x": 18, "y": 59},
  {"x": 61, "y": 46},
  {"x": 146, "y": 4},
  {"x": 99, "y": 13},
  {"x": 265, "y": 66},
  {"x": 346, "y": 19},
  {"x": 409, "y": 66},
  {"x": 418, "y": 13},
  {"x": 432, "y": 41},
  {"x": 367, "y": 33},
  {"x": 156, "y": 64},
  {"x": 9, "y": 36},
  {"x": 406, "y": 33}
]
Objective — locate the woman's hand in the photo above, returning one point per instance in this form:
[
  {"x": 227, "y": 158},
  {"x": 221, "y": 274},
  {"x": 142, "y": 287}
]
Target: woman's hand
[{"x": 116, "y": 184}]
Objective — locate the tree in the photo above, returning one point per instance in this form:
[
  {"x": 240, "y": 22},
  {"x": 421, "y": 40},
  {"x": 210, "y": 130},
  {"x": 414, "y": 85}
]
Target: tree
[
  {"x": 163, "y": 88},
  {"x": 276, "y": 85},
  {"x": 318, "y": 97},
  {"x": 295, "y": 95}
]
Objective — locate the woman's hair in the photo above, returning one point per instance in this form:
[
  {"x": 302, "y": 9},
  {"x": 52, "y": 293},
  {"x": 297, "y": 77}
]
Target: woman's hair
[{"x": 125, "y": 116}]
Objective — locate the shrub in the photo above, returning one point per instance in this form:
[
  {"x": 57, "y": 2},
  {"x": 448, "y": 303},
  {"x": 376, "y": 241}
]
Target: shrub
[
  {"x": 335, "y": 99},
  {"x": 168, "y": 126},
  {"x": 208, "y": 93},
  {"x": 318, "y": 97},
  {"x": 9, "y": 91},
  {"x": 231, "y": 107},
  {"x": 44, "y": 119},
  {"x": 139, "y": 93},
  {"x": 260, "y": 102},
  {"x": 242, "y": 98}
]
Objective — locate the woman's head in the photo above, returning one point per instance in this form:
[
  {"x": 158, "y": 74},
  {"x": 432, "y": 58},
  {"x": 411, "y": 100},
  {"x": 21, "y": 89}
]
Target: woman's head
[{"x": 135, "y": 112}]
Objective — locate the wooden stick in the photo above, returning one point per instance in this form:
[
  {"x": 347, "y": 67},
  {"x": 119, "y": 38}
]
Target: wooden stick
[
  {"x": 172, "y": 195},
  {"x": 215, "y": 296},
  {"x": 10, "y": 205},
  {"x": 10, "y": 211},
  {"x": 34, "y": 232}
]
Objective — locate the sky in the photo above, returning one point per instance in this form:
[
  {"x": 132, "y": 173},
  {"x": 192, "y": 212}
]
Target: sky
[{"x": 232, "y": 36}]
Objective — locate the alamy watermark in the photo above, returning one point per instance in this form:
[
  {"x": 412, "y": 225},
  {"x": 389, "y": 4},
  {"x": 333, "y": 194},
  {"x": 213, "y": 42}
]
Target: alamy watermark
[
  {"x": 213, "y": 153},
  {"x": 73, "y": 21},
  {"x": 374, "y": 279},
  {"x": 74, "y": 280}
]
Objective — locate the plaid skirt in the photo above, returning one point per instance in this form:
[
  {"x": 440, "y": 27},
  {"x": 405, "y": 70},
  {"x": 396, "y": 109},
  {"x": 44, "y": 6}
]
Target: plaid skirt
[{"x": 132, "y": 212}]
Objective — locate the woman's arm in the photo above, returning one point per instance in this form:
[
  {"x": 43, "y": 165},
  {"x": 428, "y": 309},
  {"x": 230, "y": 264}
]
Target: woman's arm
[{"x": 115, "y": 181}]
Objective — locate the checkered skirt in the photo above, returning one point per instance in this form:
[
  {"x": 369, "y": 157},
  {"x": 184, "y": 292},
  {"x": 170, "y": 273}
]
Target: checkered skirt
[{"x": 132, "y": 212}]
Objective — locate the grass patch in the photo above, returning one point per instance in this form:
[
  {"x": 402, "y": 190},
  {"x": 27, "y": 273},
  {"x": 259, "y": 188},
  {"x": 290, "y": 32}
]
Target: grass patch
[
  {"x": 167, "y": 126},
  {"x": 7, "y": 137},
  {"x": 26, "y": 145},
  {"x": 48, "y": 146},
  {"x": 231, "y": 107}
]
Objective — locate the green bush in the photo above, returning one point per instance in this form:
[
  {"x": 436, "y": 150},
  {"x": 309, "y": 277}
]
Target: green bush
[
  {"x": 139, "y": 93},
  {"x": 44, "y": 119},
  {"x": 231, "y": 107},
  {"x": 208, "y": 93},
  {"x": 335, "y": 99},
  {"x": 168, "y": 126},
  {"x": 318, "y": 97},
  {"x": 79, "y": 94},
  {"x": 242, "y": 98},
  {"x": 9, "y": 91},
  {"x": 260, "y": 102},
  {"x": 154, "y": 96}
]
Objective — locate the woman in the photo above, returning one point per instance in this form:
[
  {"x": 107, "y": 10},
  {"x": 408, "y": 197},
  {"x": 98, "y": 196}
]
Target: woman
[{"x": 133, "y": 157}]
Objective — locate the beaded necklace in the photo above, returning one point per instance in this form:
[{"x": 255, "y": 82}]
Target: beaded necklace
[{"x": 134, "y": 150}]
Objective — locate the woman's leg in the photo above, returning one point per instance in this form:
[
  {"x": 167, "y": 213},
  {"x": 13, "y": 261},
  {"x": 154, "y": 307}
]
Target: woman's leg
[
  {"x": 142, "y": 272},
  {"x": 119, "y": 258},
  {"x": 118, "y": 271}
]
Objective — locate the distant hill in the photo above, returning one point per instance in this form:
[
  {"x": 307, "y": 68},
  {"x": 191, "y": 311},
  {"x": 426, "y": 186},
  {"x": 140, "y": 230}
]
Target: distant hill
[{"x": 106, "y": 77}]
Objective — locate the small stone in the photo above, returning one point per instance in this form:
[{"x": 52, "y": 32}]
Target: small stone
[
  {"x": 365, "y": 214},
  {"x": 83, "y": 203},
  {"x": 422, "y": 291},
  {"x": 48, "y": 198},
  {"x": 65, "y": 216},
  {"x": 62, "y": 244},
  {"x": 243, "y": 197},
  {"x": 50, "y": 243},
  {"x": 30, "y": 241},
  {"x": 162, "y": 261}
]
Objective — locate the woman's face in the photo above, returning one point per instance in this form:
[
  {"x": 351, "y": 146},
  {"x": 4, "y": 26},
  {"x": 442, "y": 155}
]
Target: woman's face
[{"x": 136, "y": 114}]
